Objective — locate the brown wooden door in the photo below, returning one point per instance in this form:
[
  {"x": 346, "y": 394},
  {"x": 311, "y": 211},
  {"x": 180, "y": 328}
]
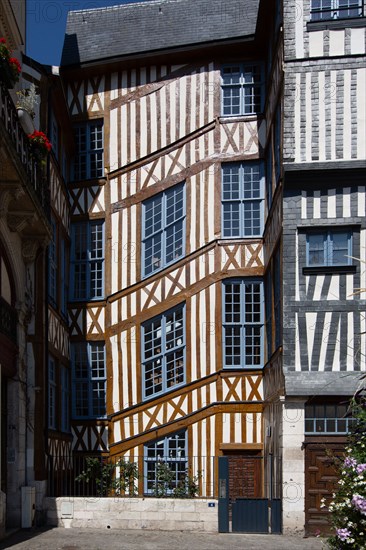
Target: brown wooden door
[
  {"x": 320, "y": 481},
  {"x": 245, "y": 474}
]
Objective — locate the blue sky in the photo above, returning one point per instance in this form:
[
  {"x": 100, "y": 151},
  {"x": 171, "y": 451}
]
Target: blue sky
[{"x": 46, "y": 24}]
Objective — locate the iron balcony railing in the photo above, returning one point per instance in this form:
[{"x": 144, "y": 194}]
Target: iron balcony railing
[
  {"x": 8, "y": 321},
  {"x": 35, "y": 180}
]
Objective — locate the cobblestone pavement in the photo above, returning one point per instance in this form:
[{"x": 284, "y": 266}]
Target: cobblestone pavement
[{"x": 92, "y": 539}]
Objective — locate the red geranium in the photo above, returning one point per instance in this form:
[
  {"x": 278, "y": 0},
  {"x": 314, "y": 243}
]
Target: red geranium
[
  {"x": 16, "y": 65},
  {"x": 39, "y": 139},
  {"x": 10, "y": 64}
]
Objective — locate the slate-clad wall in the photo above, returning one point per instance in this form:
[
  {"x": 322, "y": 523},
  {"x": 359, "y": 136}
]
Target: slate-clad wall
[{"x": 323, "y": 318}]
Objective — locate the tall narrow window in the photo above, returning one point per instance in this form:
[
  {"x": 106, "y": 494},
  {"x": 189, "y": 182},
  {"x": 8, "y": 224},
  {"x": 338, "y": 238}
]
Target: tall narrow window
[
  {"x": 335, "y": 9},
  {"x": 52, "y": 393},
  {"x": 243, "y": 191},
  {"x": 269, "y": 316},
  {"x": 242, "y": 89},
  {"x": 163, "y": 225},
  {"x": 243, "y": 323},
  {"x": 89, "y": 150},
  {"x": 277, "y": 144},
  {"x": 64, "y": 278},
  {"x": 163, "y": 352},
  {"x": 87, "y": 270},
  {"x": 171, "y": 452},
  {"x": 65, "y": 399},
  {"x": 89, "y": 379},
  {"x": 277, "y": 297},
  {"x": 52, "y": 265}
]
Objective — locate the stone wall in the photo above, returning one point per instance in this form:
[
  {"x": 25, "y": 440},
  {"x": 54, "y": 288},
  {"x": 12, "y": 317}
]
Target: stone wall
[{"x": 133, "y": 513}]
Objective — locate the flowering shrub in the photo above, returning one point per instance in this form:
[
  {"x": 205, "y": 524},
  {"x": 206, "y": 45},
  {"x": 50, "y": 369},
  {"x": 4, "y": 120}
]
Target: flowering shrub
[
  {"x": 348, "y": 507},
  {"x": 10, "y": 65}
]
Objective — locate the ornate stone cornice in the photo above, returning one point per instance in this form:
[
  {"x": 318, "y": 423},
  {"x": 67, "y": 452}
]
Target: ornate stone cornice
[
  {"x": 18, "y": 220},
  {"x": 9, "y": 192}
]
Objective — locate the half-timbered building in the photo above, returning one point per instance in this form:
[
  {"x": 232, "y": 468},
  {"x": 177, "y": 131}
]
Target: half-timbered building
[
  {"x": 175, "y": 129},
  {"x": 217, "y": 209},
  {"x": 323, "y": 242}
]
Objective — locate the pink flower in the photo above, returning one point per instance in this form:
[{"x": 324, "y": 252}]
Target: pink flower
[{"x": 343, "y": 534}]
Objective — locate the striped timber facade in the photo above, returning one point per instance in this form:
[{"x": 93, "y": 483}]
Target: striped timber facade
[
  {"x": 163, "y": 125},
  {"x": 324, "y": 193}
]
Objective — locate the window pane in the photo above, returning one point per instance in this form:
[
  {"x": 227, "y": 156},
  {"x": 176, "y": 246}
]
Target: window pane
[
  {"x": 163, "y": 229},
  {"x": 230, "y": 182},
  {"x": 232, "y": 343},
  {"x": 153, "y": 251},
  {"x": 243, "y": 322},
  {"x": 174, "y": 242},
  {"x": 316, "y": 249},
  {"x": 232, "y": 303},
  {"x": 163, "y": 352},
  {"x": 231, "y": 101},
  {"x": 340, "y": 249}
]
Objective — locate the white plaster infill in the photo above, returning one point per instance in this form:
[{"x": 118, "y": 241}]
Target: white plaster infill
[{"x": 133, "y": 513}]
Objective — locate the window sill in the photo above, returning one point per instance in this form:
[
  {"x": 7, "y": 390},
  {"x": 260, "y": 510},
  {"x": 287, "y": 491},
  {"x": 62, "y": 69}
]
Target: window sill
[
  {"x": 329, "y": 269},
  {"x": 335, "y": 24},
  {"x": 224, "y": 119}
]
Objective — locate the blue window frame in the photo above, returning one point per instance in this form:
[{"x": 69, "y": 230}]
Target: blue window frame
[
  {"x": 243, "y": 189},
  {"x": 52, "y": 393},
  {"x": 327, "y": 418},
  {"x": 87, "y": 260},
  {"x": 64, "y": 277},
  {"x": 269, "y": 314},
  {"x": 335, "y": 9},
  {"x": 52, "y": 265},
  {"x": 171, "y": 451},
  {"x": 89, "y": 379},
  {"x": 163, "y": 227},
  {"x": 277, "y": 297},
  {"x": 243, "y": 315},
  {"x": 277, "y": 144},
  {"x": 163, "y": 352},
  {"x": 88, "y": 162},
  {"x": 65, "y": 399},
  {"x": 329, "y": 248},
  {"x": 242, "y": 89}
]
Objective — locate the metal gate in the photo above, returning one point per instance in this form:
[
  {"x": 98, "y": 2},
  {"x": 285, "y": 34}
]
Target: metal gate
[{"x": 242, "y": 508}]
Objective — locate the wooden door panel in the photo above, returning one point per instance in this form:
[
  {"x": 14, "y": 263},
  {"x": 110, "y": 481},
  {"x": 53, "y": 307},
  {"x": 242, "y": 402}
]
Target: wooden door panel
[{"x": 321, "y": 479}]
